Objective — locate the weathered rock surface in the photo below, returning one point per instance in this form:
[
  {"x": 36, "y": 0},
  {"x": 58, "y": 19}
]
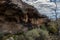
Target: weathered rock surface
[{"x": 15, "y": 16}]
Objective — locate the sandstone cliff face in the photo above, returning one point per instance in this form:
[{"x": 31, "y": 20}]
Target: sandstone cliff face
[{"x": 12, "y": 16}]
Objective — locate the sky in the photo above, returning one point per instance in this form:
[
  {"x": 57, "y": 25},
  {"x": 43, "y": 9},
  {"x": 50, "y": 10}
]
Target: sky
[
  {"x": 45, "y": 7},
  {"x": 39, "y": 0},
  {"x": 43, "y": 0}
]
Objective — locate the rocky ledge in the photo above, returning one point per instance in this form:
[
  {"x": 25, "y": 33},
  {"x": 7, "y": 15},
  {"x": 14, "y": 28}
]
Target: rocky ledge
[{"x": 17, "y": 16}]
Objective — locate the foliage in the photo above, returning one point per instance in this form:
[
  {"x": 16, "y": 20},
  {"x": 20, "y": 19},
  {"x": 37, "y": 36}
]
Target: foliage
[
  {"x": 53, "y": 27},
  {"x": 37, "y": 33}
]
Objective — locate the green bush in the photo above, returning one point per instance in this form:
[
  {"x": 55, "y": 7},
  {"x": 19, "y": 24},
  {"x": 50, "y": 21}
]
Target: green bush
[
  {"x": 53, "y": 27},
  {"x": 35, "y": 33}
]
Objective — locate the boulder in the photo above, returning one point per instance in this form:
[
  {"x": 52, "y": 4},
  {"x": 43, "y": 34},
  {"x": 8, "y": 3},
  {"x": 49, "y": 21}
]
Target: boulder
[{"x": 15, "y": 13}]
